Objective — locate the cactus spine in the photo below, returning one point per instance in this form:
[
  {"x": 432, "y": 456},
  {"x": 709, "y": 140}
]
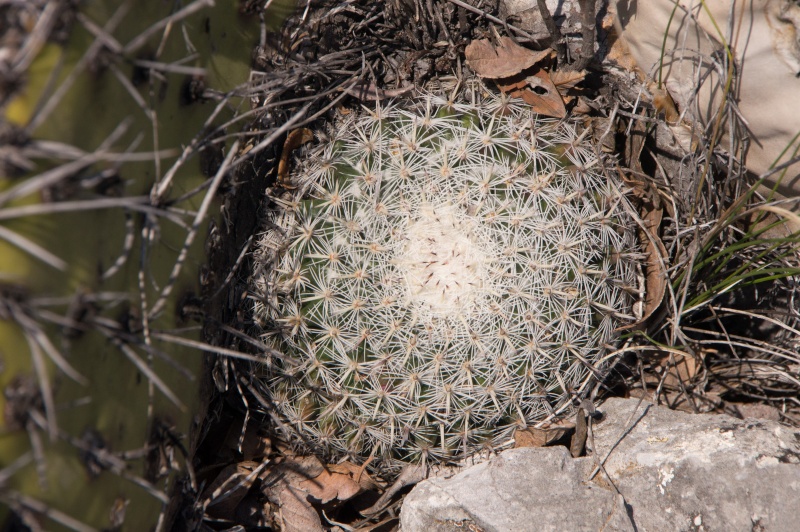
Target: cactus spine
[{"x": 448, "y": 270}]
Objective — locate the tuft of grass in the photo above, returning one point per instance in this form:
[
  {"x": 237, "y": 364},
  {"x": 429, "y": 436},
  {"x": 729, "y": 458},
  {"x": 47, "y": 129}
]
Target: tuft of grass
[{"x": 734, "y": 257}]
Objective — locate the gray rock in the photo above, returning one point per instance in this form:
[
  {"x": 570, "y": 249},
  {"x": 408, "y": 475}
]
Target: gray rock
[
  {"x": 681, "y": 471},
  {"x": 520, "y": 489},
  {"x": 674, "y": 471}
]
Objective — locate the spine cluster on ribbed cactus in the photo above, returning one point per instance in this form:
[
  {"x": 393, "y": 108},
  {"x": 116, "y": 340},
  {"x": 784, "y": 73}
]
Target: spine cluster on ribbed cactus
[{"x": 447, "y": 270}]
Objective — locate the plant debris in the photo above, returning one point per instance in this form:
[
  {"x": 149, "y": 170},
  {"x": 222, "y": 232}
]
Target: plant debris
[
  {"x": 511, "y": 67},
  {"x": 502, "y": 61}
]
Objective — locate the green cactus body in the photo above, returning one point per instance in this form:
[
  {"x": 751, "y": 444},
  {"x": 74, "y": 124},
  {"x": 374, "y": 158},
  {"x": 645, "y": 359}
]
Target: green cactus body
[{"x": 445, "y": 273}]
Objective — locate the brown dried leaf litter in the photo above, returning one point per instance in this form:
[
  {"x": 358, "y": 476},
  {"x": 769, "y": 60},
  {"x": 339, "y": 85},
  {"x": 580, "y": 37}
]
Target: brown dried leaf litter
[
  {"x": 522, "y": 73},
  {"x": 502, "y": 61}
]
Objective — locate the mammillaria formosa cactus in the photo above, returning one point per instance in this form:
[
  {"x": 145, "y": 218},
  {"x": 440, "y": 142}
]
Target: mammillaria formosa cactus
[{"x": 446, "y": 270}]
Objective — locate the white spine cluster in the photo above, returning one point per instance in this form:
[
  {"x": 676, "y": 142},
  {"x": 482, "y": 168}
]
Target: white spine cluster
[{"x": 446, "y": 273}]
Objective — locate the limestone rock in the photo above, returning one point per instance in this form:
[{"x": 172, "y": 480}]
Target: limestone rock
[
  {"x": 673, "y": 470},
  {"x": 680, "y": 471},
  {"x": 520, "y": 489}
]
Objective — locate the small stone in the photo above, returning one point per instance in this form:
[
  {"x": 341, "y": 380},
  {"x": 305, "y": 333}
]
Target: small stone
[{"x": 513, "y": 491}]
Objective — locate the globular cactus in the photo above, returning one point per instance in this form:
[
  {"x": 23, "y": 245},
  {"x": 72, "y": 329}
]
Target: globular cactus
[{"x": 447, "y": 270}]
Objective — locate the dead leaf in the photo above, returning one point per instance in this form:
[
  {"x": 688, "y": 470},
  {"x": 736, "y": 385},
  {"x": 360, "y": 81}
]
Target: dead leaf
[
  {"x": 295, "y": 512},
  {"x": 542, "y": 437},
  {"x": 674, "y": 370},
  {"x": 603, "y": 132},
  {"x": 653, "y": 212},
  {"x": 655, "y": 272},
  {"x": 681, "y": 368},
  {"x": 537, "y": 91},
  {"x": 620, "y": 54},
  {"x": 228, "y": 489},
  {"x": 548, "y": 99},
  {"x": 294, "y": 140},
  {"x": 330, "y": 486},
  {"x": 566, "y": 80},
  {"x": 503, "y": 61},
  {"x": 655, "y": 282},
  {"x": 357, "y": 473},
  {"x": 665, "y": 105},
  {"x": 582, "y": 107},
  {"x": 510, "y": 85}
]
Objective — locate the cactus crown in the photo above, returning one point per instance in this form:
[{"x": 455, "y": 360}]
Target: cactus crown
[{"x": 448, "y": 270}]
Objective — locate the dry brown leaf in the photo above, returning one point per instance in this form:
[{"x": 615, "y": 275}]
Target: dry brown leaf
[
  {"x": 686, "y": 367},
  {"x": 330, "y": 486},
  {"x": 295, "y": 512},
  {"x": 229, "y": 488},
  {"x": 582, "y": 107},
  {"x": 665, "y": 105},
  {"x": 655, "y": 272},
  {"x": 603, "y": 132},
  {"x": 674, "y": 370},
  {"x": 542, "y": 437},
  {"x": 620, "y": 54},
  {"x": 566, "y": 80},
  {"x": 548, "y": 99},
  {"x": 537, "y": 91},
  {"x": 280, "y": 484},
  {"x": 357, "y": 473},
  {"x": 682, "y": 369},
  {"x": 503, "y": 61},
  {"x": 294, "y": 140},
  {"x": 511, "y": 85}
]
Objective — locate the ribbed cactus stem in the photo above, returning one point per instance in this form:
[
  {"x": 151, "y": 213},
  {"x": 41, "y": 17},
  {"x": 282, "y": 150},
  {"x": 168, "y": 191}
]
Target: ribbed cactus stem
[{"x": 446, "y": 271}]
